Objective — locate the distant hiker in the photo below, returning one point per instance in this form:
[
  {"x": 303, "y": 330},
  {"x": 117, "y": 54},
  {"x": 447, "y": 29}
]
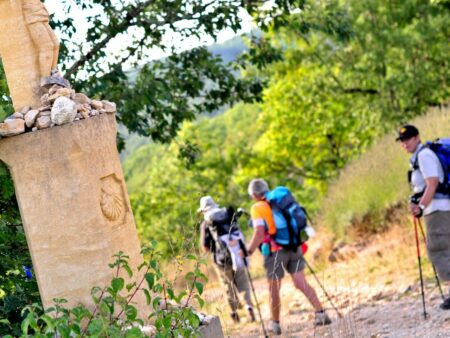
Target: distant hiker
[
  {"x": 278, "y": 258},
  {"x": 429, "y": 177},
  {"x": 218, "y": 236}
]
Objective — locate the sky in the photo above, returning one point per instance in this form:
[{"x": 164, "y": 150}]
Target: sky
[{"x": 57, "y": 8}]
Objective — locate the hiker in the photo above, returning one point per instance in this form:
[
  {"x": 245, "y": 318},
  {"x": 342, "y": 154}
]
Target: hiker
[
  {"x": 218, "y": 236},
  {"x": 278, "y": 259},
  {"x": 426, "y": 178}
]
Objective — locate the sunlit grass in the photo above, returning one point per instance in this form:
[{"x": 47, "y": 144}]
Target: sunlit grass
[{"x": 377, "y": 180}]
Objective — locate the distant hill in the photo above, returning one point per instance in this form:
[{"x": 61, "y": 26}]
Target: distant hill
[{"x": 228, "y": 50}]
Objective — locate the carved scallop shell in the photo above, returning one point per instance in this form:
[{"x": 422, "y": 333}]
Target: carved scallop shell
[{"x": 112, "y": 198}]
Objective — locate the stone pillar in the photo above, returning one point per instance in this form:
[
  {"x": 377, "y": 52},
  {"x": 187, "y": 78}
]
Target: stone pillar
[
  {"x": 19, "y": 56},
  {"x": 74, "y": 206}
]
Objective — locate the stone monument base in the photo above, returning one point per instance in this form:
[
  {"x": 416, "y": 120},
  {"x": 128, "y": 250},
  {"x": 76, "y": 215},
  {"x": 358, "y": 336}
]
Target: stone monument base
[{"x": 74, "y": 206}]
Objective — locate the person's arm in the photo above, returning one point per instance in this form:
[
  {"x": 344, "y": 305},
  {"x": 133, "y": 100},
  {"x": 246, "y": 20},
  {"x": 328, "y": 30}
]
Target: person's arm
[
  {"x": 430, "y": 190},
  {"x": 258, "y": 237},
  {"x": 203, "y": 244},
  {"x": 429, "y": 167}
]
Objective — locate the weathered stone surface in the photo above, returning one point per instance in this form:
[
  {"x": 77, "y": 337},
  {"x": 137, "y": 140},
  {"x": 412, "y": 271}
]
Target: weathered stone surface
[
  {"x": 63, "y": 110},
  {"x": 19, "y": 56},
  {"x": 83, "y": 111},
  {"x": 43, "y": 122},
  {"x": 25, "y": 110},
  {"x": 16, "y": 115},
  {"x": 211, "y": 327},
  {"x": 65, "y": 92},
  {"x": 64, "y": 178},
  {"x": 45, "y": 108},
  {"x": 45, "y": 100},
  {"x": 53, "y": 89},
  {"x": 96, "y": 104},
  {"x": 55, "y": 79},
  {"x": 109, "y": 107},
  {"x": 12, "y": 127},
  {"x": 45, "y": 113},
  {"x": 81, "y": 98},
  {"x": 30, "y": 117}
]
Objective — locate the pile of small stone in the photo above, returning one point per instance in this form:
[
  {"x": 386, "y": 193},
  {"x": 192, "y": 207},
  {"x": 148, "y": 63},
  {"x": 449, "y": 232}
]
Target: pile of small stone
[{"x": 60, "y": 105}]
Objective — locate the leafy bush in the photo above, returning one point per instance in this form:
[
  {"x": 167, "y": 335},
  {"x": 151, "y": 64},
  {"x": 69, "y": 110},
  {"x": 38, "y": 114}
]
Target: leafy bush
[
  {"x": 113, "y": 313},
  {"x": 377, "y": 180},
  {"x": 16, "y": 289}
]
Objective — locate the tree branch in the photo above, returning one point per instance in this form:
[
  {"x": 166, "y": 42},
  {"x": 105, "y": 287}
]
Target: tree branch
[{"x": 126, "y": 23}]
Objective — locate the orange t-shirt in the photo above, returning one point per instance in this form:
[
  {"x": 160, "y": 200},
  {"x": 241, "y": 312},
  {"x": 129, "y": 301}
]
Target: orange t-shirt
[{"x": 261, "y": 214}]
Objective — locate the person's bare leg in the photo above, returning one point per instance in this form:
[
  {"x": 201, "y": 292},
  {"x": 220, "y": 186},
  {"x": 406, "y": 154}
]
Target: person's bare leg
[
  {"x": 274, "y": 298},
  {"x": 301, "y": 283}
]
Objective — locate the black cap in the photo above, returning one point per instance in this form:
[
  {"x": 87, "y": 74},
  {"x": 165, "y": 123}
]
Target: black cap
[{"x": 406, "y": 132}]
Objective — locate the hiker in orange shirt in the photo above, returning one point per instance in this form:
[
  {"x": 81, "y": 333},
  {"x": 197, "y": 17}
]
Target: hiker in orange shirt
[{"x": 278, "y": 259}]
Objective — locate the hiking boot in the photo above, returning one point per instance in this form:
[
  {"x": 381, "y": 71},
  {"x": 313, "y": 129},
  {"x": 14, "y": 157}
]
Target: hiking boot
[
  {"x": 446, "y": 304},
  {"x": 274, "y": 327},
  {"x": 235, "y": 317},
  {"x": 251, "y": 315},
  {"x": 322, "y": 318}
]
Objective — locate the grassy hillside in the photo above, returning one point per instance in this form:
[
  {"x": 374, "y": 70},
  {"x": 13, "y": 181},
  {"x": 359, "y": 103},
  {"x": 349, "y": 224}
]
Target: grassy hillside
[{"x": 376, "y": 182}]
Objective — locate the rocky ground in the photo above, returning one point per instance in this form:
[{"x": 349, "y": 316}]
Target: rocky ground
[{"x": 377, "y": 291}]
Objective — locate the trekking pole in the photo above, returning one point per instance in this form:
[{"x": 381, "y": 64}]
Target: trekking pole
[
  {"x": 434, "y": 268},
  {"x": 323, "y": 288},
  {"x": 254, "y": 295},
  {"x": 244, "y": 249},
  {"x": 420, "y": 267}
]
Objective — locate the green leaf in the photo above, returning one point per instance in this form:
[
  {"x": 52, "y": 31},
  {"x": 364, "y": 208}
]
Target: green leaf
[
  {"x": 26, "y": 323},
  {"x": 117, "y": 284},
  {"x": 193, "y": 320},
  {"x": 148, "y": 297},
  {"x": 128, "y": 270},
  {"x": 95, "y": 327},
  {"x": 192, "y": 257},
  {"x": 199, "y": 287},
  {"x": 135, "y": 332},
  {"x": 130, "y": 286},
  {"x": 131, "y": 312},
  {"x": 106, "y": 308},
  {"x": 167, "y": 322},
  {"x": 49, "y": 321},
  {"x": 150, "y": 278},
  {"x": 170, "y": 293},
  {"x": 156, "y": 302},
  {"x": 200, "y": 301}
]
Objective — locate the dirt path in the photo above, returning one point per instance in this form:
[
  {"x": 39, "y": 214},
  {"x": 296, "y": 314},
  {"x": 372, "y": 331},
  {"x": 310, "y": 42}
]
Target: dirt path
[{"x": 377, "y": 291}]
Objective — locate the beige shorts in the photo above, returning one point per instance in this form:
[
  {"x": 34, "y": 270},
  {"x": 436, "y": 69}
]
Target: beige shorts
[
  {"x": 438, "y": 242},
  {"x": 282, "y": 260}
]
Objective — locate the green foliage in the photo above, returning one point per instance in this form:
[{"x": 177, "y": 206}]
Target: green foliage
[
  {"x": 113, "y": 313},
  {"x": 16, "y": 290},
  {"x": 338, "y": 76},
  {"x": 165, "y": 187},
  {"x": 392, "y": 56},
  {"x": 5, "y": 101},
  {"x": 377, "y": 180}
]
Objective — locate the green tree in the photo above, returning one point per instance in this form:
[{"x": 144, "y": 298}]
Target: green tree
[
  {"x": 165, "y": 188},
  {"x": 341, "y": 74}
]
